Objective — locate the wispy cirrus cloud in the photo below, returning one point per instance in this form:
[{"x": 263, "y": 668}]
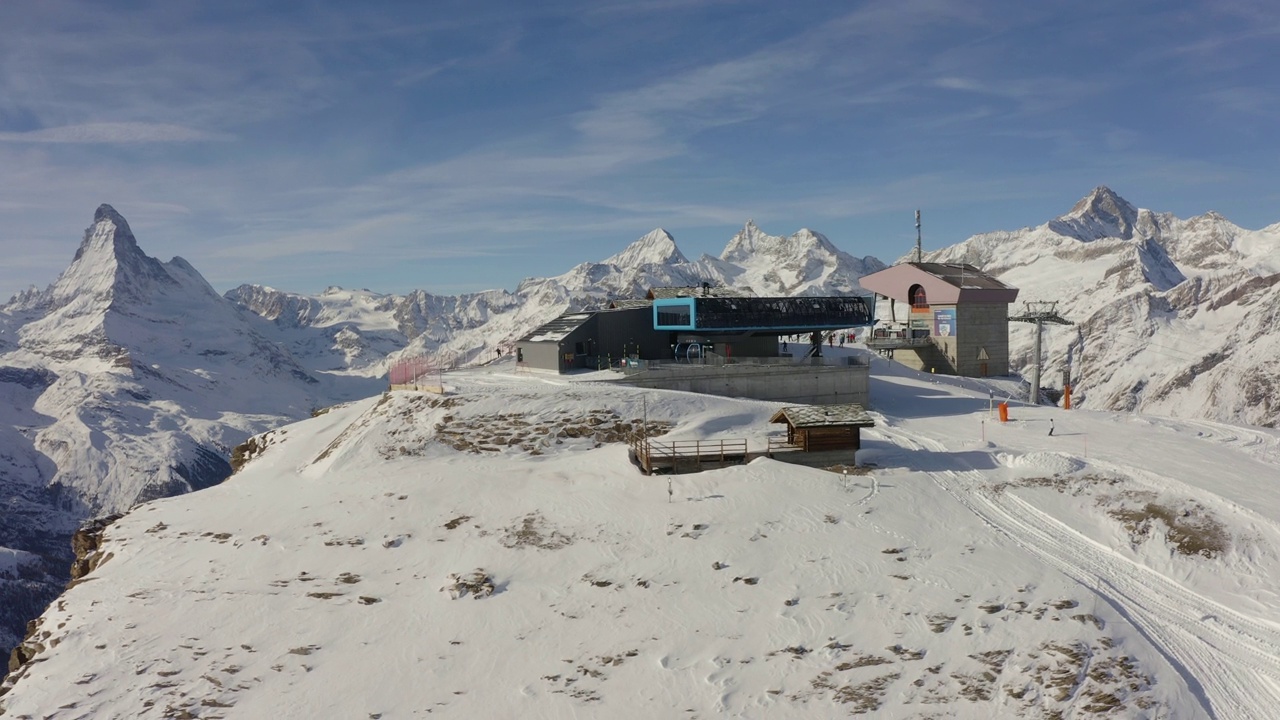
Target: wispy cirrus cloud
[
  {"x": 655, "y": 121},
  {"x": 114, "y": 76},
  {"x": 115, "y": 132}
]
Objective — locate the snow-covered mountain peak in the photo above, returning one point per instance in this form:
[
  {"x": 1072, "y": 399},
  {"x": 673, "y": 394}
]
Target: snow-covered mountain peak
[
  {"x": 657, "y": 247},
  {"x": 752, "y": 242},
  {"x": 804, "y": 263},
  {"x": 109, "y": 214},
  {"x": 1262, "y": 247},
  {"x": 1100, "y": 214},
  {"x": 108, "y": 265}
]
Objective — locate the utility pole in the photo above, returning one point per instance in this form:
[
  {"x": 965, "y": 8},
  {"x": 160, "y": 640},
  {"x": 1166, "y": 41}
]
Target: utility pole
[
  {"x": 1072, "y": 350},
  {"x": 917, "y": 236},
  {"x": 1039, "y": 312}
]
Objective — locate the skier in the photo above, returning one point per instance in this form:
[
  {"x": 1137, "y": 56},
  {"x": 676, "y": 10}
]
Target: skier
[{"x": 1051, "y": 427}]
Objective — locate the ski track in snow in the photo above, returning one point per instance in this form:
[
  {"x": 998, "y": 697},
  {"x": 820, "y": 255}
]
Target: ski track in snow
[
  {"x": 1231, "y": 661},
  {"x": 871, "y": 492},
  {"x": 1256, "y": 442}
]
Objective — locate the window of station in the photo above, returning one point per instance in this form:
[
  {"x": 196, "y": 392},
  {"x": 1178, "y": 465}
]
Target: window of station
[
  {"x": 918, "y": 297},
  {"x": 674, "y": 315}
]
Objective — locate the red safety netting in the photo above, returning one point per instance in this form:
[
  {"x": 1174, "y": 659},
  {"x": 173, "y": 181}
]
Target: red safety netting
[{"x": 411, "y": 371}]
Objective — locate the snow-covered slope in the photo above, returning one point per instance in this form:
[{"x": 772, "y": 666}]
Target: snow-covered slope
[
  {"x": 1174, "y": 317},
  {"x": 393, "y": 557}
]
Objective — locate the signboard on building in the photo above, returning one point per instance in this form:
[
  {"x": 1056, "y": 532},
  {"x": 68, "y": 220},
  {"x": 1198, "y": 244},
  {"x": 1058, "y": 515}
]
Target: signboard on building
[{"x": 944, "y": 322}]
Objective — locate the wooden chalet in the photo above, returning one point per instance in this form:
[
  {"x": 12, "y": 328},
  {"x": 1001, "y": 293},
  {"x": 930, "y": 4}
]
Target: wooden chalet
[{"x": 820, "y": 428}]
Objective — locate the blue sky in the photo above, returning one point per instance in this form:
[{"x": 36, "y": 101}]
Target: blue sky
[{"x": 457, "y": 146}]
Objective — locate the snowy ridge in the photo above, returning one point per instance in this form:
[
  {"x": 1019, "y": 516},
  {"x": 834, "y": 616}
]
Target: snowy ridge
[{"x": 978, "y": 569}]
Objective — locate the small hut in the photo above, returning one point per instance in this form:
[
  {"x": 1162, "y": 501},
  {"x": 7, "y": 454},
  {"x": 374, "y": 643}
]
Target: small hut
[{"x": 820, "y": 428}]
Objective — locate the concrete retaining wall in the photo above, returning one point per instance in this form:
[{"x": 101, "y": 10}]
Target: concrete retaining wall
[
  {"x": 926, "y": 358},
  {"x": 819, "y": 385}
]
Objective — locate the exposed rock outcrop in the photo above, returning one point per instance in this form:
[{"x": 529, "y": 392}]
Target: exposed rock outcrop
[{"x": 89, "y": 554}]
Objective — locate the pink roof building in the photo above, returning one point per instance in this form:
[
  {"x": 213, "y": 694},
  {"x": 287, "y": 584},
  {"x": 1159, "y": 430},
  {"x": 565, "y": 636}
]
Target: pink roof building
[{"x": 942, "y": 317}]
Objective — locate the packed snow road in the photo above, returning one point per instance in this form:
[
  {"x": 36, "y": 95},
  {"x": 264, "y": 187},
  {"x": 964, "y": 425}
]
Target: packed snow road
[{"x": 1229, "y": 660}]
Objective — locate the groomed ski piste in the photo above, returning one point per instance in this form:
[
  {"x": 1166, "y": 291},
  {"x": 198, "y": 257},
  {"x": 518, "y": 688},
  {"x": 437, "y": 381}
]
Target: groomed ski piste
[{"x": 493, "y": 553}]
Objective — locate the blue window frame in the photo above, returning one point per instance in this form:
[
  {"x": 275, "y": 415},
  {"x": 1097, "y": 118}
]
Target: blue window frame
[{"x": 674, "y": 314}]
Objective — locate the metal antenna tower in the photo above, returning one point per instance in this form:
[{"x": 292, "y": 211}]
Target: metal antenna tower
[
  {"x": 917, "y": 236},
  {"x": 1039, "y": 312}
]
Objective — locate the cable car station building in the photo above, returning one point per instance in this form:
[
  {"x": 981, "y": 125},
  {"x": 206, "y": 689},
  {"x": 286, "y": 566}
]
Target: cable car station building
[
  {"x": 685, "y": 324},
  {"x": 751, "y": 326},
  {"x": 716, "y": 341},
  {"x": 942, "y": 317}
]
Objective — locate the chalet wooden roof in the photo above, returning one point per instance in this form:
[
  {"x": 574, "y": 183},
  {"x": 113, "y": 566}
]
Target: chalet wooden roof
[{"x": 808, "y": 416}]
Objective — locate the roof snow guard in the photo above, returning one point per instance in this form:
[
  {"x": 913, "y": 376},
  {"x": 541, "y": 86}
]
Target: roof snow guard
[{"x": 810, "y": 416}]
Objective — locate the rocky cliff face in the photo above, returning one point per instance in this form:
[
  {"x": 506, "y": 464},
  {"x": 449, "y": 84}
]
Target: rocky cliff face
[{"x": 88, "y": 552}]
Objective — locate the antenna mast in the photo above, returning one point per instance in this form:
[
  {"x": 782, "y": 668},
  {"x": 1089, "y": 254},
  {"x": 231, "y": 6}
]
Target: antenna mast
[
  {"x": 1039, "y": 312},
  {"x": 917, "y": 236}
]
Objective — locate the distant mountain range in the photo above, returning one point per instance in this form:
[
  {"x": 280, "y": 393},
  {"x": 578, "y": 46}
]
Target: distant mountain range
[
  {"x": 129, "y": 378},
  {"x": 356, "y": 331},
  {"x": 1173, "y": 317}
]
